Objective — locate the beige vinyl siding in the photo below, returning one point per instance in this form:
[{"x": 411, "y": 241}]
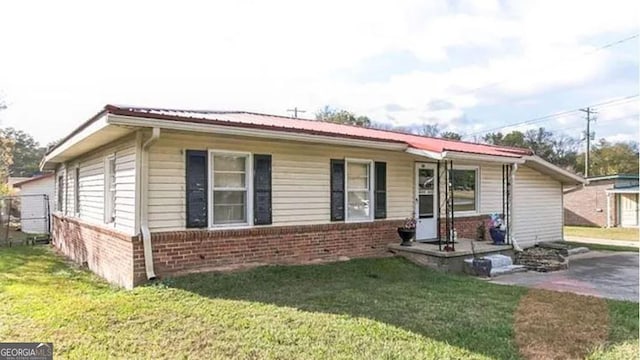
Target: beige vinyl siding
[
  {"x": 92, "y": 185},
  {"x": 537, "y": 208},
  {"x": 300, "y": 177},
  {"x": 489, "y": 188}
]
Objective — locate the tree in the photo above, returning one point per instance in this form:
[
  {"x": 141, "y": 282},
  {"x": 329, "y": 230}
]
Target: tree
[
  {"x": 27, "y": 153},
  {"x": 431, "y": 130},
  {"x": 493, "y": 138},
  {"x": 342, "y": 117},
  {"x": 6, "y": 149},
  {"x": 565, "y": 152},
  {"x": 451, "y": 135},
  {"x": 607, "y": 158}
]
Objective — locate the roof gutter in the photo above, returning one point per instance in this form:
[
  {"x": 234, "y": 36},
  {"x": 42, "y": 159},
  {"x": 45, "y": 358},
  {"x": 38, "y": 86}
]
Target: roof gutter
[
  {"x": 144, "y": 199},
  {"x": 458, "y": 155}
]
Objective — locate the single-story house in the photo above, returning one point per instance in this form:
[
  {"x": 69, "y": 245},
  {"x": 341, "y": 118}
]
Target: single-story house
[
  {"x": 604, "y": 201},
  {"x": 36, "y": 201},
  {"x": 145, "y": 192}
]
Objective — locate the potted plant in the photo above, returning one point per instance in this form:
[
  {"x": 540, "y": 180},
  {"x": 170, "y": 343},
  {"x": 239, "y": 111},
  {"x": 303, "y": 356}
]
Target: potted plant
[{"x": 407, "y": 231}]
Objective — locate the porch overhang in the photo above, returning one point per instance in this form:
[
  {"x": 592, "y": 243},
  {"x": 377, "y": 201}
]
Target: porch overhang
[
  {"x": 464, "y": 156},
  {"x": 565, "y": 177}
]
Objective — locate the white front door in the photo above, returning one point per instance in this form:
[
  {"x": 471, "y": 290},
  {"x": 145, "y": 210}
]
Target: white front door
[{"x": 426, "y": 211}]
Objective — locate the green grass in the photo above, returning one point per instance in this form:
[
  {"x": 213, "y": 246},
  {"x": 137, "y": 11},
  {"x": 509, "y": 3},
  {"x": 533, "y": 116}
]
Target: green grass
[
  {"x": 614, "y": 233},
  {"x": 600, "y": 246},
  {"x": 384, "y": 308}
]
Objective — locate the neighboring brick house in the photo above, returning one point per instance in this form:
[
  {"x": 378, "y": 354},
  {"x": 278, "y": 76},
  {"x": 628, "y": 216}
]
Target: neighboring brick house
[
  {"x": 603, "y": 201},
  {"x": 145, "y": 193}
]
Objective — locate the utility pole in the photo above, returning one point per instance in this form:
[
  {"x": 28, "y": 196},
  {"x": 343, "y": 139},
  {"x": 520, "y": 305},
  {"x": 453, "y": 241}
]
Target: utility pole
[
  {"x": 589, "y": 111},
  {"x": 295, "y": 111}
]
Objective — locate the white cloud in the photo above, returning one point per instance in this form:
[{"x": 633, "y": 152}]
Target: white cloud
[{"x": 64, "y": 61}]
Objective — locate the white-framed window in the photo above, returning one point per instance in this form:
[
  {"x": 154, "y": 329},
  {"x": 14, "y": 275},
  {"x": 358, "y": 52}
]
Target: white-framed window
[
  {"x": 110, "y": 189},
  {"x": 76, "y": 191},
  {"x": 230, "y": 184},
  {"x": 465, "y": 182},
  {"x": 359, "y": 190}
]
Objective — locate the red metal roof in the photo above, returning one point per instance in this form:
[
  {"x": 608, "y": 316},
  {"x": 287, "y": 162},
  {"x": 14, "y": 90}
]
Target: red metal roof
[{"x": 288, "y": 124}]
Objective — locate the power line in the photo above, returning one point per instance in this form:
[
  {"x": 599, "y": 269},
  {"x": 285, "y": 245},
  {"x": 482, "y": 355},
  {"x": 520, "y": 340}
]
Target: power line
[
  {"x": 591, "y": 52},
  {"x": 608, "y": 103},
  {"x": 573, "y": 127}
]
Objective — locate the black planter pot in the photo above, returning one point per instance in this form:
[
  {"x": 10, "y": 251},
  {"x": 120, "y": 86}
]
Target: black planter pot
[{"x": 406, "y": 235}]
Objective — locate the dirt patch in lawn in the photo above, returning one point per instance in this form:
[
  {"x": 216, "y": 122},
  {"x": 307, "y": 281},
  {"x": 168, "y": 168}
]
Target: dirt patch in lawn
[{"x": 560, "y": 325}]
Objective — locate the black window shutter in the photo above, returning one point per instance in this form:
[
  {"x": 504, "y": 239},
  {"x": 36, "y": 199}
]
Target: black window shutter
[
  {"x": 261, "y": 189},
  {"x": 380, "y": 188},
  {"x": 196, "y": 189},
  {"x": 337, "y": 190}
]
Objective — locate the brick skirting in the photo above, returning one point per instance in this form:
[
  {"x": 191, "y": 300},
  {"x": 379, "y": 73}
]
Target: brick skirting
[
  {"x": 119, "y": 258},
  {"x": 186, "y": 251},
  {"x": 106, "y": 252},
  {"x": 466, "y": 226}
]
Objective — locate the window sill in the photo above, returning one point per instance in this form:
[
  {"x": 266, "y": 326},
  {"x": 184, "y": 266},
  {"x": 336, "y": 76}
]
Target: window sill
[
  {"x": 231, "y": 227},
  {"x": 466, "y": 213},
  {"x": 358, "y": 221}
]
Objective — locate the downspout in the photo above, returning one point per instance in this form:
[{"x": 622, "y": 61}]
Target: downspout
[
  {"x": 511, "y": 223},
  {"x": 144, "y": 208}
]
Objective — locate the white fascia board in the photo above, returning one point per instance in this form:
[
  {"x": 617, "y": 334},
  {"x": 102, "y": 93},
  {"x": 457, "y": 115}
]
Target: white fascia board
[
  {"x": 456, "y": 155},
  {"x": 562, "y": 172},
  {"x": 94, "y": 127},
  {"x": 252, "y": 132},
  {"x": 424, "y": 153}
]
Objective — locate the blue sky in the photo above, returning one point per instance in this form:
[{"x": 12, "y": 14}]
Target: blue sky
[{"x": 468, "y": 66}]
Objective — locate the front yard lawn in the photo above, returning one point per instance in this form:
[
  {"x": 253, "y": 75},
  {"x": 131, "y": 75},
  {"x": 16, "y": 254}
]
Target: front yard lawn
[
  {"x": 614, "y": 233},
  {"x": 382, "y": 308}
]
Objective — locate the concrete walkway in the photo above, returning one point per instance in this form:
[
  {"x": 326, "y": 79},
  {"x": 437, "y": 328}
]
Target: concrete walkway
[
  {"x": 606, "y": 274},
  {"x": 588, "y": 240}
]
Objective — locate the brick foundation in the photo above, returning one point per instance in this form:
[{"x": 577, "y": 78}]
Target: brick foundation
[
  {"x": 106, "y": 252},
  {"x": 186, "y": 251},
  {"x": 120, "y": 258},
  {"x": 466, "y": 226}
]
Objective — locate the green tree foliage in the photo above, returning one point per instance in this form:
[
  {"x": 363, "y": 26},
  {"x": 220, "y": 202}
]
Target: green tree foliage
[
  {"x": 431, "y": 130},
  {"x": 27, "y": 153},
  {"x": 6, "y": 148},
  {"x": 564, "y": 151},
  {"x": 451, "y": 135},
  {"x": 330, "y": 114},
  {"x": 611, "y": 158}
]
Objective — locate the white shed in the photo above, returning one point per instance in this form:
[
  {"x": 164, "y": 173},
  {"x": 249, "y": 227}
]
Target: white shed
[{"x": 36, "y": 201}]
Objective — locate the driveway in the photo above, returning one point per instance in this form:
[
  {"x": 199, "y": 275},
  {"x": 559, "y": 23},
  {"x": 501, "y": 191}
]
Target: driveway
[{"x": 606, "y": 274}]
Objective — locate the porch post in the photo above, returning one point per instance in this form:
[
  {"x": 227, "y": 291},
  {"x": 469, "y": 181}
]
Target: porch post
[
  {"x": 437, "y": 181},
  {"x": 453, "y": 240}
]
